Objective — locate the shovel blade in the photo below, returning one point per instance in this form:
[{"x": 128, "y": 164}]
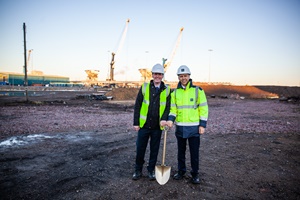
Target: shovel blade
[{"x": 162, "y": 174}]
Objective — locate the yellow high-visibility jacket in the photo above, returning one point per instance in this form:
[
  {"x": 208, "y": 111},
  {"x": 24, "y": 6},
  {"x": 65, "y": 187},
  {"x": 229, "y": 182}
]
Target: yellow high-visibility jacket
[
  {"x": 144, "y": 109},
  {"x": 189, "y": 110}
]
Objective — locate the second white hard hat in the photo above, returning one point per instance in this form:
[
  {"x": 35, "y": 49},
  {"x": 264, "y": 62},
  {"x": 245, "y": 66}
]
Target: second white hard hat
[
  {"x": 158, "y": 68},
  {"x": 183, "y": 69}
]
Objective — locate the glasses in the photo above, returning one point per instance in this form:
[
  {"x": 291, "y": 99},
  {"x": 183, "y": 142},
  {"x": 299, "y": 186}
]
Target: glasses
[{"x": 157, "y": 74}]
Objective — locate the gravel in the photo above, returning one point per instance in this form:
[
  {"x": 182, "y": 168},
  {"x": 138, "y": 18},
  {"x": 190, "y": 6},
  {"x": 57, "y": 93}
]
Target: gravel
[{"x": 225, "y": 116}]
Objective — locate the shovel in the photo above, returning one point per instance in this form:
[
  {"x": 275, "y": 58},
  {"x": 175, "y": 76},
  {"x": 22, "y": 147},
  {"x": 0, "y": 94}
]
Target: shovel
[{"x": 162, "y": 173}]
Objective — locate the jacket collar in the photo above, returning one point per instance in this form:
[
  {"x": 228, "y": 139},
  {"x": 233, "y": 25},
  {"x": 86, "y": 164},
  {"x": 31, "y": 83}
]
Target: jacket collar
[
  {"x": 162, "y": 84},
  {"x": 189, "y": 85}
]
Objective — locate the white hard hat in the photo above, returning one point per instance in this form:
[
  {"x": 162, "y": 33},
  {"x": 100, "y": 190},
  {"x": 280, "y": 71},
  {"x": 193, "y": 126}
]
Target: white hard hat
[
  {"x": 183, "y": 69},
  {"x": 158, "y": 68}
]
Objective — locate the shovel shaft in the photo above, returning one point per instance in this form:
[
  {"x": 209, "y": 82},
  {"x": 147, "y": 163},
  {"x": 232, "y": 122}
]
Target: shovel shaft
[{"x": 164, "y": 148}]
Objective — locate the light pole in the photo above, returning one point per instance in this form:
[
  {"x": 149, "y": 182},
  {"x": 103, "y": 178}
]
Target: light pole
[
  {"x": 25, "y": 63},
  {"x": 210, "y": 50}
]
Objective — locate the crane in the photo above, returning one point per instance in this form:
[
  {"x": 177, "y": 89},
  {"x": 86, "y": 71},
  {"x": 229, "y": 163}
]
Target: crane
[
  {"x": 33, "y": 72},
  {"x": 112, "y": 63},
  {"x": 171, "y": 57},
  {"x": 28, "y": 58},
  {"x": 146, "y": 73}
]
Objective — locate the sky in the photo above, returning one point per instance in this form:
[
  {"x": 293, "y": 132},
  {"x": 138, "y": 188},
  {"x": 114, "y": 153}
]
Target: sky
[{"x": 252, "y": 42}]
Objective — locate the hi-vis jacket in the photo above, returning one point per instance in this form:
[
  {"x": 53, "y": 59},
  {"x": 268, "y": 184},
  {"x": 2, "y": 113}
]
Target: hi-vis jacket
[
  {"x": 189, "y": 110},
  {"x": 151, "y": 106}
]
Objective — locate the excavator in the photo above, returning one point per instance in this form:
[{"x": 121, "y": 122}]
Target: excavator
[{"x": 146, "y": 73}]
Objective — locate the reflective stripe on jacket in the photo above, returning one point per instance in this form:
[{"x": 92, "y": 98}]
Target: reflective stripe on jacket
[
  {"x": 189, "y": 109},
  {"x": 145, "y": 104}
]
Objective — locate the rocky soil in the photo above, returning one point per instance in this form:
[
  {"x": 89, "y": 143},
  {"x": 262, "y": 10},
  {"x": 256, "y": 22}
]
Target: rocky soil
[{"x": 60, "y": 147}]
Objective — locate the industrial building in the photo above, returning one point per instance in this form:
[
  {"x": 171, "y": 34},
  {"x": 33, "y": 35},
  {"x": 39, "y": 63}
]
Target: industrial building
[{"x": 33, "y": 79}]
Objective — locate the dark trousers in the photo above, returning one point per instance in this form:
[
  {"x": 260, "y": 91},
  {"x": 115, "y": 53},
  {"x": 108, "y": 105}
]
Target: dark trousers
[
  {"x": 141, "y": 145},
  {"x": 194, "y": 146}
]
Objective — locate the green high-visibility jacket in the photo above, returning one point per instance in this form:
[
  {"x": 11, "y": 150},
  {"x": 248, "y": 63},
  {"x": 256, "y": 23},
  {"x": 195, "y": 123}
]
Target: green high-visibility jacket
[{"x": 145, "y": 105}]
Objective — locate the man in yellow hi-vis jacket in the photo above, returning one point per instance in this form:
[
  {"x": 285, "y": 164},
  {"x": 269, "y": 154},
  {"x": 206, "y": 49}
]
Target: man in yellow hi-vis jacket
[
  {"x": 189, "y": 111},
  {"x": 151, "y": 110}
]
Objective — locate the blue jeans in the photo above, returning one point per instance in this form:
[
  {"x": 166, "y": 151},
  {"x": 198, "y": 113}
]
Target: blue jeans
[
  {"x": 141, "y": 145},
  {"x": 194, "y": 146}
]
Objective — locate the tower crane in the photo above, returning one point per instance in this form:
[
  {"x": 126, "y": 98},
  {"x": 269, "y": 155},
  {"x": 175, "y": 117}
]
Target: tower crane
[
  {"x": 171, "y": 57},
  {"x": 112, "y": 63}
]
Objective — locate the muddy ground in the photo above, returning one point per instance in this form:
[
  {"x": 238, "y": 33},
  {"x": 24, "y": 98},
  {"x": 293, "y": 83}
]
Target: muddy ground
[{"x": 68, "y": 148}]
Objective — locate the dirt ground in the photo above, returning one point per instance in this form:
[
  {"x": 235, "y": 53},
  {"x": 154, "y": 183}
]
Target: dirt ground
[{"x": 61, "y": 147}]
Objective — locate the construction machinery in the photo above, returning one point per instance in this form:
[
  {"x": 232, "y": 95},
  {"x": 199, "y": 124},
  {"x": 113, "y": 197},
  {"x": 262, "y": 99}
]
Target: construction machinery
[
  {"x": 171, "y": 57},
  {"x": 32, "y": 72},
  {"x": 92, "y": 76},
  {"x": 28, "y": 58},
  {"x": 146, "y": 73},
  {"x": 113, "y": 60}
]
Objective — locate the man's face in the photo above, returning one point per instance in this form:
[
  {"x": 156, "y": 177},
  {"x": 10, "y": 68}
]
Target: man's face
[
  {"x": 157, "y": 78},
  {"x": 184, "y": 79}
]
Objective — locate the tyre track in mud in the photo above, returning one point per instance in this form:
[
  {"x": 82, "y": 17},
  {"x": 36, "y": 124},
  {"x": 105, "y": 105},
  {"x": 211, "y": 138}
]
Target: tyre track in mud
[
  {"x": 72, "y": 164},
  {"x": 244, "y": 156},
  {"x": 107, "y": 176}
]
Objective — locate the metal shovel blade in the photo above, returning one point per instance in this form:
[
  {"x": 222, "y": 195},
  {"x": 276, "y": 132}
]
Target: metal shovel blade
[{"x": 162, "y": 174}]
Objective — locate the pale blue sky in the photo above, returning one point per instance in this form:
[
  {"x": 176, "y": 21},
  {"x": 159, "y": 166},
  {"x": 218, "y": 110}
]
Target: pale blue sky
[{"x": 255, "y": 42}]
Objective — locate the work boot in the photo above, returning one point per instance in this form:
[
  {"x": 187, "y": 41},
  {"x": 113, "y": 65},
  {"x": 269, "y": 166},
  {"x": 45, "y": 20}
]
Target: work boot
[
  {"x": 179, "y": 175},
  {"x": 195, "y": 179},
  {"x": 151, "y": 175},
  {"x": 137, "y": 175}
]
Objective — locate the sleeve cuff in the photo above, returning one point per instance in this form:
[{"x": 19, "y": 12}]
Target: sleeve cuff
[
  {"x": 171, "y": 118},
  {"x": 203, "y": 123}
]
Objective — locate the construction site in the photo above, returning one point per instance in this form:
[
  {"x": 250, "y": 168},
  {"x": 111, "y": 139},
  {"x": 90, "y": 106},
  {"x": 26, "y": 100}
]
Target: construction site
[
  {"x": 38, "y": 78},
  {"x": 146, "y": 75},
  {"x": 58, "y": 145},
  {"x": 75, "y": 140}
]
